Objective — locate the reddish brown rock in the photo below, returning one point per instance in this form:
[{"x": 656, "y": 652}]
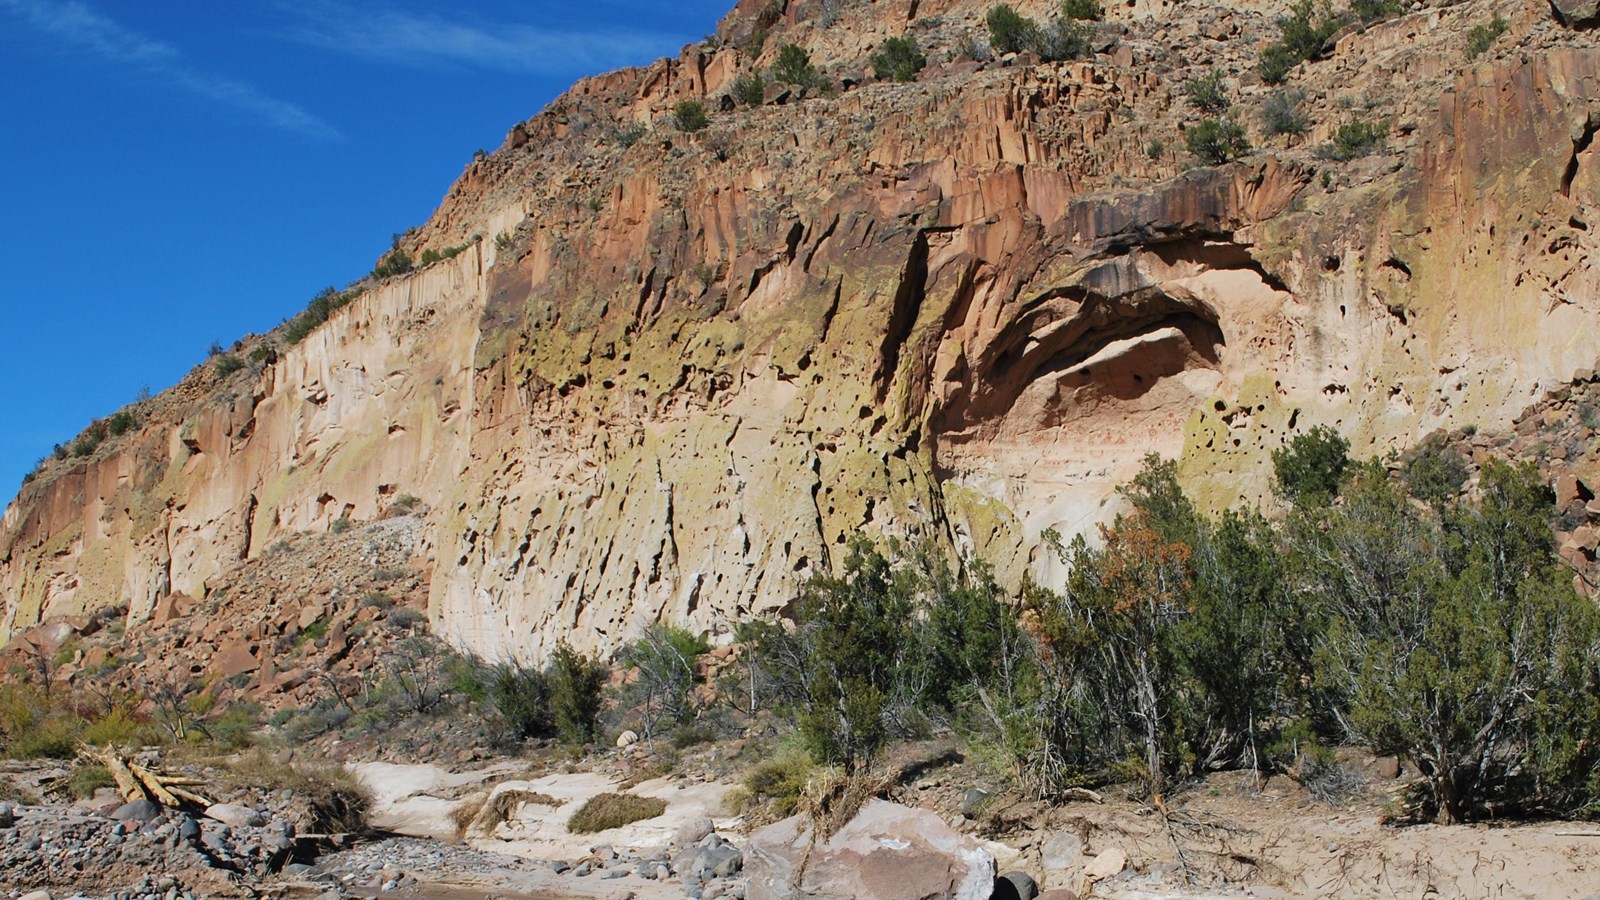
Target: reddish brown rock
[
  {"x": 1570, "y": 489},
  {"x": 233, "y": 658}
]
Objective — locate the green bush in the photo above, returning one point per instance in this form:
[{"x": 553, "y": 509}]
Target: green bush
[
  {"x": 690, "y": 116},
  {"x": 323, "y": 305},
  {"x": 664, "y": 675},
  {"x": 1435, "y": 473},
  {"x": 856, "y": 659},
  {"x": 314, "y": 632},
  {"x": 1482, "y": 37},
  {"x": 234, "y": 729},
  {"x": 1063, "y": 39},
  {"x": 54, "y": 736},
  {"x": 691, "y": 734},
  {"x": 1208, "y": 93},
  {"x": 780, "y": 779},
  {"x": 1275, "y": 63},
  {"x": 1308, "y": 28},
  {"x": 1113, "y": 633},
  {"x": 1356, "y": 138},
  {"x": 1457, "y": 642},
  {"x": 576, "y": 682},
  {"x": 1281, "y": 114},
  {"x": 1216, "y": 141},
  {"x": 120, "y": 728},
  {"x": 227, "y": 364},
  {"x": 1009, "y": 30},
  {"x": 899, "y": 60},
  {"x": 1183, "y": 643},
  {"x": 1085, "y": 10},
  {"x": 1309, "y": 469},
  {"x": 1372, "y": 10},
  {"x": 794, "y": 67},
  {"x": 1303, "y": 36},
  {"x": 91, "y": 438},
  {"x": 403, "y": 618},
  {"x": 750, "y": 89},
  {"x": 396, "y": 262},
  {"x": 520, "y": 695},
  {"x": 121, "y": 422}
]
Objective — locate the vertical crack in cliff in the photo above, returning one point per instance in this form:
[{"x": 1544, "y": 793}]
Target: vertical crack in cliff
[
  {"x": 908, "y": 297},
  {"x": 646, "y": 284},
  {"x": 816, "y": 245},
  {"x": 832, "y": 310},
  {"x": 249, "y": 526},
  {"x": 1580, "y": 145}
]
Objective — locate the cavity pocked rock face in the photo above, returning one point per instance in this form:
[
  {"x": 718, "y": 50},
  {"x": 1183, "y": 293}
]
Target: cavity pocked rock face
[{"x": 670, "y": 377}]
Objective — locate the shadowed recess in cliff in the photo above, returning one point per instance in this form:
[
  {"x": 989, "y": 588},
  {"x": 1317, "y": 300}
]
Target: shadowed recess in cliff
[
  {"x": 1105, "y": 348},
  {"x": 1112, "y": 337}
]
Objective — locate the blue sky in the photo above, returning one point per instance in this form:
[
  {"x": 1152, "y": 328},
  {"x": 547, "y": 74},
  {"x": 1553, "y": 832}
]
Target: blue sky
[{"x": 178, "y": 173}]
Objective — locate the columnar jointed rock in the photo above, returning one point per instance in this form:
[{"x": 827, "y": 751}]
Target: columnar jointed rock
[{"x": 887, "y": 852}]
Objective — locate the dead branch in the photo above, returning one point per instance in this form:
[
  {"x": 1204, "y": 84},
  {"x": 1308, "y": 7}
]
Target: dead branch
[{"x": 136, "y": 782}]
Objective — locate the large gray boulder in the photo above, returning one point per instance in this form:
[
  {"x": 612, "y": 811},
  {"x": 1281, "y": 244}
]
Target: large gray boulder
[
  {"x": 235, "y": 815},
  {"x": 887, "y": 852}
]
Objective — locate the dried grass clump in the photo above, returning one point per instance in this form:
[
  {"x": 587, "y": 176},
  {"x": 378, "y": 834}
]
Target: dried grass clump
[
  {"x": 485, "y": 814},
  {"x": 466, "y": 812},
  {"x": 331, "y": 799},
  {"x": 605, "y": 811},
  {"x": 831, "y": 800}
]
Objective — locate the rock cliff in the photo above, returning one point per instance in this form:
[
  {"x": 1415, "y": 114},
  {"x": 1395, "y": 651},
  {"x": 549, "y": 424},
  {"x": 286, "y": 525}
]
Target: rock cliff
[{"x": 672, "y": 373}]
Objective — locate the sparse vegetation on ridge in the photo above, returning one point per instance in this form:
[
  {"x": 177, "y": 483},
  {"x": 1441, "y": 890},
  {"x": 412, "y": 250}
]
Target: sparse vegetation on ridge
[
  {"x": 750, "y": 89},
  {"x": 900, "y": 59},
  {"x": 327, "y": 301},
  {"x": 1281, "y": 113},
  {"x": 394, "y": 263},
  {"x": 1011, "y": 32},
  {"x": 1356, "y": 138},
  {"x": 1208, "y": 93},
  {"x": 1483, "y": 36},
  {"x": 1214, "y": 142},
  {"x": 794, "y": 66},
  {"x": 1303, "y": 36},
  {"x": 690, "y": 116}
]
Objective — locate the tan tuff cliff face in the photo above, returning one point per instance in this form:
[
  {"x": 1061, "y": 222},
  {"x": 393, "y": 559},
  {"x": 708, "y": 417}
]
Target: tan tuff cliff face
[
  {"x": 677, "y": 372},
  {"x": 370, "y": 406}
]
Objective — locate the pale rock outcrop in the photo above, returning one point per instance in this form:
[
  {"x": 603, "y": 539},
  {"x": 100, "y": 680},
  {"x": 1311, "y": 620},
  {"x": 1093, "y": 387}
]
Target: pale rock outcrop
[{"x": 887, "y": 852}]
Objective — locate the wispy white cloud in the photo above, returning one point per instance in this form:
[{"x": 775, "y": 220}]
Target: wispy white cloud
[
  {"x": 83, "y": 27},
  {"x": 414, "y": 39}
]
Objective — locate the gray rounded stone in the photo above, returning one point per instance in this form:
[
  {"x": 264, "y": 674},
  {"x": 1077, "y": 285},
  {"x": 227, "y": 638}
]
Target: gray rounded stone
[{"x": 137, "y": 811}]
